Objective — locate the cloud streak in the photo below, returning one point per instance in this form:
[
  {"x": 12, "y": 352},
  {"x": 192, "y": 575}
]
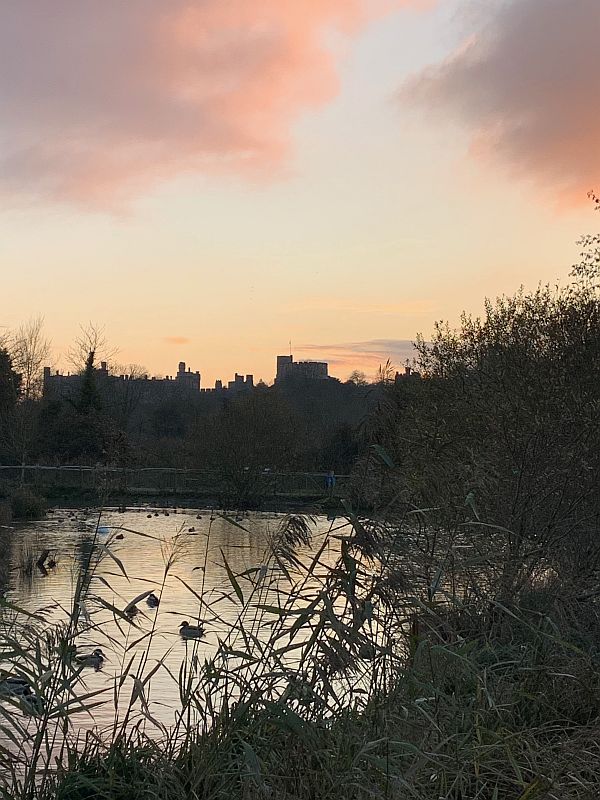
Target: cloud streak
[
  {"x": 175, "y": 340},
  {"x": 366, "y": 355},
  {"x": 526, "y": 86},
  {"x": 103, "y": 99}
]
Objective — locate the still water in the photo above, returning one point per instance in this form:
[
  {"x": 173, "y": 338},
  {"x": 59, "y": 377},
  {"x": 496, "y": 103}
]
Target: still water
[{"x": 194, "y": 542}]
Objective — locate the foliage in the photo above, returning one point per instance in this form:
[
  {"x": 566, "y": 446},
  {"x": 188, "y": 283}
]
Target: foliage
[
  {"x": 26, "y": 504},
  {"x": 29, "y": 351},
  {"x": 504, "y": 425},
  {"x": 391, "y": 671},
  {"x": 10, "y": 383}
]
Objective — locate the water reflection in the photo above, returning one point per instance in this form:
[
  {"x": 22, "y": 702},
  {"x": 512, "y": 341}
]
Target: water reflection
[{"x": 181, "y": 557}]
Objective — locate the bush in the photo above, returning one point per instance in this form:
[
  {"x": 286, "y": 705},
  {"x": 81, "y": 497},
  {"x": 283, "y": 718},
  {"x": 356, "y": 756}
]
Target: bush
[
  {"x": 25, "y": 504},
  {"x": 5, "y": 512}
]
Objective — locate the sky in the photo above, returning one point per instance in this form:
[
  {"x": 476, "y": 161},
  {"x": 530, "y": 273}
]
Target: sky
[{"x": 210, "y": 180}]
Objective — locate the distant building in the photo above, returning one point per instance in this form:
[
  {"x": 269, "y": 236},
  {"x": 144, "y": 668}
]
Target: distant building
[
  {"x": 57, "y": 384},
  {"x": 238, "y": 385},
  {"x": 308, "y": 370},
  {"x": 187, "y": 378},
  {"x": 241, "y": 384},
  {"x": 408, "y": 374}
]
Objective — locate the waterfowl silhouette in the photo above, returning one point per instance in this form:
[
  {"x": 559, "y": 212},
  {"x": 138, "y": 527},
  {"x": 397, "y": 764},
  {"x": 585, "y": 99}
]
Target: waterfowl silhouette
[
  {"x": 191, "y": 631},
  {"x": 20, "y": 689},
  {"x": 14, "y": 685},
  {"x": 153, "y": 600},
  {"x": 31, "y": 703},
  {"x": 94, "y": 659}
]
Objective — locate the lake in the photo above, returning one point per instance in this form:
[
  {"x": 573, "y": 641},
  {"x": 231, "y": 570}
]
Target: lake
[{"x": 195, "y": 544}]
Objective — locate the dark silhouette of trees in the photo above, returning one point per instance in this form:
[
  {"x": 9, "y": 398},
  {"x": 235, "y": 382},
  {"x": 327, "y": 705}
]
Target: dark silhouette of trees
[
  {"x": 30, "y": 351},
  {"x": 10, "y": 383},
  {"x": 503, "y": 428}
]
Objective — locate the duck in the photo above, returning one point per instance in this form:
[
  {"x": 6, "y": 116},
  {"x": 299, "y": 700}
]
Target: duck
[
  {"x": 191, "y": 631},
  {"x": 14, "y": 686},
  {"x": 31, "y": 703},
  {"x": 94, "y": 659},
  {"x": 132, "y": 610},
  {"x": 153, "y": 600},
  {"x": 19, "y": 689}
]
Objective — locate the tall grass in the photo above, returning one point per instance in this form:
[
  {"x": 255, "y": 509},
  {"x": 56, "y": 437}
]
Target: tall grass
[{"x": 377, "y": 663}]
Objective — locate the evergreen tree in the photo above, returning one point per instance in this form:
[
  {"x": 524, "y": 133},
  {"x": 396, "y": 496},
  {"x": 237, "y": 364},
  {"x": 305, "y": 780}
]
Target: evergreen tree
[{"x": 9, "y": 392}]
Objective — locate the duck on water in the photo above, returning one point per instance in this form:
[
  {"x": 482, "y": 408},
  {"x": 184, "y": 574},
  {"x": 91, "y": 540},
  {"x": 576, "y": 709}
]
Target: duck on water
[
  {"x": 94, "y": 659},
  {"x": 13, "y": 686},
  {"x": 191, "y": 631}
]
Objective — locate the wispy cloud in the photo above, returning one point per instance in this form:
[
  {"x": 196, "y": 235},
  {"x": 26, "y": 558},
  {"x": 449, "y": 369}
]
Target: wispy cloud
[
  {"x": 366, "y": 356},
  {"x": 102, "y": 99},
  {"x": 526, "y": 84},
  {"x": 177, "y": 340}
]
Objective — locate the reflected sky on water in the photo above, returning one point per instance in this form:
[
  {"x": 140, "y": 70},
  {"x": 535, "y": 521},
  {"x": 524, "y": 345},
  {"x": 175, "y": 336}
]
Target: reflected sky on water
[{"x": 194, "y": 542}]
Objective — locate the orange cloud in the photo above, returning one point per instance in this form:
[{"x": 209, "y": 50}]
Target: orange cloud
[
  {"x": 103, "y": 99},
  {"x": 527, "y": 87},
  {"x": 177, "y": 340}
]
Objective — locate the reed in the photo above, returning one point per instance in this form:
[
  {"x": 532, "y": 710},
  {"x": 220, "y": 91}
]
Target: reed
[{"x": 379, "y": 662}]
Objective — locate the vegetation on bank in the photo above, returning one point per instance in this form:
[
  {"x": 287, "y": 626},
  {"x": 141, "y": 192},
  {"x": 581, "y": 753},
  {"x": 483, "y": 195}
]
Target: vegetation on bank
[
  {"x": 27, "y": 504},
  {"x": 394, "y": 671},
  {"x": 450, "y": 649}
]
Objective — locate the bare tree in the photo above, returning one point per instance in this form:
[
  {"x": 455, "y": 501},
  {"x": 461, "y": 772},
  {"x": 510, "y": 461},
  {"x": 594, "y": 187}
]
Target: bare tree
[
  {"x": 91, "y": 339},
  {"x": 129, "y": 392},
  {"x": 358, "y": 378},
  {"x": 30, "y": 350}
]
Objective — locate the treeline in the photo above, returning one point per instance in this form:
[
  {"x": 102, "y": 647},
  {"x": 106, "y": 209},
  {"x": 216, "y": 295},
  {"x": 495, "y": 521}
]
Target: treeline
[
  {"x": 503, "y": 432},
  {"x": 303, "y": 425}
]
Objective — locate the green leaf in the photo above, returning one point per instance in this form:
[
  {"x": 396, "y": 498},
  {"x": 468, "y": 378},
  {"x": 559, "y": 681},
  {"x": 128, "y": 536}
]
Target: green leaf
[
  {"x": 383, "y": 455},
  {"x": 252, "y": 763},
  {"x": 236, "y": 587}
]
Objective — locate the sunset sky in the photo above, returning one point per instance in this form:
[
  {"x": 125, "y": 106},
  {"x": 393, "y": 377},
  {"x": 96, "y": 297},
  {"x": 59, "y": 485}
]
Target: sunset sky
[{"x": 210, "y": 179}]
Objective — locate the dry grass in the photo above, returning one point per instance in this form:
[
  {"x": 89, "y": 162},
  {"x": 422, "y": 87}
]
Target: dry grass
[{"x": 395, "y": 672}]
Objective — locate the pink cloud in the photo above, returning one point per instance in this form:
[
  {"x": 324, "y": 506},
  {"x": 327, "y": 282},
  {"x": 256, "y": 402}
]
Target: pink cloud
[
  {"x": 347, "y": 356},
  {"x": 177, "y": 340},
  {"x": 526, "y": 85},
  {"x": 103, "y": 99}
]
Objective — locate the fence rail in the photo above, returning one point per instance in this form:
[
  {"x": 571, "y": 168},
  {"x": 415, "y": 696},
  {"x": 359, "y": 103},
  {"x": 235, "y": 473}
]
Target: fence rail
[{"x": 171, "y": 480}]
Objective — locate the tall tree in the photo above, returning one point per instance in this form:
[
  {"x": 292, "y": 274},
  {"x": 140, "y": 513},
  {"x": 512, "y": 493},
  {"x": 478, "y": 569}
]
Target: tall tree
[
  {"x": 30, "y": 350},
  {"x": 91, "y": 339},
  {"x": 9, "y": 392}
]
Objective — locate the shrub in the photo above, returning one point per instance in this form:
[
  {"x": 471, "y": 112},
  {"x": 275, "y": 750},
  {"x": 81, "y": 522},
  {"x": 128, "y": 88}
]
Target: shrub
[
  {"x": 5, "y": 512},
  {"x": 26, "y": 504}
]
